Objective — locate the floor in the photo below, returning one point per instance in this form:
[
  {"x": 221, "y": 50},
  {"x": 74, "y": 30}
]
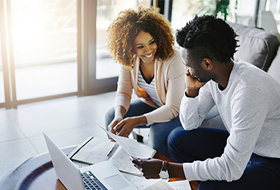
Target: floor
[{"x": 68, "y": 121}]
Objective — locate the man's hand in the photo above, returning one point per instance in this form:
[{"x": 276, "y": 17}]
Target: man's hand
[
  {"x": 192, "y": 84},
  {"x": 149, "y": 167}
]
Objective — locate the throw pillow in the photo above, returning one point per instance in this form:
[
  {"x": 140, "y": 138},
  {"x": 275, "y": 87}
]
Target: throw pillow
[{"x": 274, "y": 68}]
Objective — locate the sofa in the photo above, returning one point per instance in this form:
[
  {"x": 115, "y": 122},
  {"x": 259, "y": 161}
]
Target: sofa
[{"x": 258, "y": 47}]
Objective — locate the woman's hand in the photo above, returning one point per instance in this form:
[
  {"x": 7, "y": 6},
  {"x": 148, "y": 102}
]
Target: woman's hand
[
  {"x": 119, "y": 113},
  {"x": 149, "y": 167},
  {"x": 115, "y": 121},
  {"x": 125, "y": 126},
  {"x": 141, "y": 93}
]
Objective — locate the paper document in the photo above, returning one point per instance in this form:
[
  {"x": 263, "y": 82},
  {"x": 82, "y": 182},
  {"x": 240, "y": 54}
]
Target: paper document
[
  {"x": 175, "y": 185},
  {"x": 141, "y": 182},
  {"x": 160, "y": 185},
  {"x": 153, "y": 184},
  {"x": 131, "y": 146},
  {"x": 180, "y": 185},
  {"x": 95, "y": 150}
]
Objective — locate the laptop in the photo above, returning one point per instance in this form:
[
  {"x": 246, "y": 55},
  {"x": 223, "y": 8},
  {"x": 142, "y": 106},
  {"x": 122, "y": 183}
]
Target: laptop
[{"x": 105, "y": 174}]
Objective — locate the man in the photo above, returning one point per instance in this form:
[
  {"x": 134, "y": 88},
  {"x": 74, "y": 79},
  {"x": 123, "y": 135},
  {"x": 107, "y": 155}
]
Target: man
[{"x": 247, "y": 154}]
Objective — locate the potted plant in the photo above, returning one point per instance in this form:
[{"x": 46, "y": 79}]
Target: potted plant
[{"x": 219, "y": 8}]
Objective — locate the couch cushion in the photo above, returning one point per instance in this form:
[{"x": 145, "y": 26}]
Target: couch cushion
[
  {"x": 274, "y": 69},
  {"x": 256, "y": 46}
]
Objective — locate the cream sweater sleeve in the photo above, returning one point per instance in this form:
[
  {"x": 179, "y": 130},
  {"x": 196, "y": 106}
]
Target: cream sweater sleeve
[{"x": 124, "y": 91}]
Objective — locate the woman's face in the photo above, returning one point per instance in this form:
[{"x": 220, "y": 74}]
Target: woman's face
[{"x": 145, "y": 47}]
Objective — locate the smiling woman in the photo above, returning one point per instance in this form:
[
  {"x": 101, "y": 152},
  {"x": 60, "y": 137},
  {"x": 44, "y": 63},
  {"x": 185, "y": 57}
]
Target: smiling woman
[
  {"x": 142, "y": 42},
  {"x": 145, "y": 47}
]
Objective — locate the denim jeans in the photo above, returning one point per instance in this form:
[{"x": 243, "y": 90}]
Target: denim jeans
[
  {"x": 202, "y": 143},
  {"x": 158, "y": 131}
]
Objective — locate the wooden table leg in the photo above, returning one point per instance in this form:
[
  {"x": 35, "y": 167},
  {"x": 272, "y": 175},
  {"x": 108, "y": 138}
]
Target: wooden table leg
[{"x": 194, "y": 185}]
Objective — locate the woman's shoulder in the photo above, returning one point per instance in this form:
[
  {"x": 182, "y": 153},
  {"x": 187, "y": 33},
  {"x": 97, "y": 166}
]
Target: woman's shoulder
[
  {"x": 175, "y": 58},
  {"x": 173, "y": 64},
  {"x": 177, "y": 53}
]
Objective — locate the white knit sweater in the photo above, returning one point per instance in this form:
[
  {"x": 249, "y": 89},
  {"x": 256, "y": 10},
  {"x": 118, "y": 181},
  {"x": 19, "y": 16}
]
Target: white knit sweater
[{"x": 250, "y": 110}]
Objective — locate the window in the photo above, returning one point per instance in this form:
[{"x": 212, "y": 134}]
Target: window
[
  {"x": 44, "y": 44},
  {"x": 56, "y": 48},
  {"x": 274, "y": 7},
  {"x": 2, "y": 94}
]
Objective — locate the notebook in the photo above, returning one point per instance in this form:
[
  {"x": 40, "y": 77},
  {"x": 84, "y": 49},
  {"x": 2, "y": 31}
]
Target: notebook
[{"x": 105, "y": 173}]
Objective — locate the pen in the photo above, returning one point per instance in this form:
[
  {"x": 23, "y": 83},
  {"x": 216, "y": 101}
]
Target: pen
[{"x": 110, "y": 152}]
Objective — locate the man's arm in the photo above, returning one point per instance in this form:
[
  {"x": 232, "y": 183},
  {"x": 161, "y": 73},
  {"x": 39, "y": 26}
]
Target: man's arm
[
  {"x": 195, "y": 104},
  {"x": 151, "y": 168}
]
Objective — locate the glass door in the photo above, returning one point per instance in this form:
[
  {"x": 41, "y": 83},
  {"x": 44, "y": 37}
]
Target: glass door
[
  {"x": 44, "y": 41},
  {"x": 2, "y": 94},
  {"x": 4, "y": 77},
  {"x": 57, "y": 48}
]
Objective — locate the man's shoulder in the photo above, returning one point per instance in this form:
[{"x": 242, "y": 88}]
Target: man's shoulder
[{"x": 246, "y": 72}]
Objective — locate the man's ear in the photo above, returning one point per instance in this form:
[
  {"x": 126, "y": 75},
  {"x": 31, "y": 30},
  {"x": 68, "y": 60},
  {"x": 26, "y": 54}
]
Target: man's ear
[{"x": 207, "y": 64}]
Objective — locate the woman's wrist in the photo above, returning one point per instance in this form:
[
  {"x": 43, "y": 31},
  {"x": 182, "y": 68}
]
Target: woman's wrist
[
  {"x": 119, "y": 112},
  {"x": 140, "y": 120}
]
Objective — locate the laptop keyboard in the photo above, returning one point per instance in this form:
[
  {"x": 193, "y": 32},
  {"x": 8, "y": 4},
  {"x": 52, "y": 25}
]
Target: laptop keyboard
[{"x": 91, "y": 182}]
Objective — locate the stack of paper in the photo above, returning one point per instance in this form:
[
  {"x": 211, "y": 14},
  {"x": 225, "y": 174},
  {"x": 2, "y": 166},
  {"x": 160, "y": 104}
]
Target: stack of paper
[{"x": 95, "y": 150}]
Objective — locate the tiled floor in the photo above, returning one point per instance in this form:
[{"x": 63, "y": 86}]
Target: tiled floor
[{"x": 68, "y": 121}]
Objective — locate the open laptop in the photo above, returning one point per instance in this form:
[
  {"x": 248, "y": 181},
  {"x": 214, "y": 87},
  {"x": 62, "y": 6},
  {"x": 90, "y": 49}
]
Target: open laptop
[{"x": 106, "y": 175}]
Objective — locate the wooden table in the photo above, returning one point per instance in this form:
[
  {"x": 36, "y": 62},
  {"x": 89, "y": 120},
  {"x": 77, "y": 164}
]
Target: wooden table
[{"x": 38, "y": 173}]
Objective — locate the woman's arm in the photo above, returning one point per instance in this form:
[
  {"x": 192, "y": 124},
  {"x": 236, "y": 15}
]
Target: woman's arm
[
  {"x": 123, "y": 97},
  {"x": 124, "y": 89},
  {"x": 129, "y": 123},
  {"x": 170, "y": 89}
]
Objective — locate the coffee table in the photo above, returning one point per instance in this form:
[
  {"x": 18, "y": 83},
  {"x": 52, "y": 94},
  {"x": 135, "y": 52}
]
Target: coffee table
[{"x": 38, "y": 173}]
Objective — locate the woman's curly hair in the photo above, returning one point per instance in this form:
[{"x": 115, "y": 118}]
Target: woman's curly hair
[
  {"x": 207, "y": 36},
  {"x": 124, "y": 29}
]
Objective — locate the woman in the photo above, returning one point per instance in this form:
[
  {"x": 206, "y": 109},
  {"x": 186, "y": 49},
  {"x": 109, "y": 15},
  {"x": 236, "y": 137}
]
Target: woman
[{"x": 142, "y": 42}]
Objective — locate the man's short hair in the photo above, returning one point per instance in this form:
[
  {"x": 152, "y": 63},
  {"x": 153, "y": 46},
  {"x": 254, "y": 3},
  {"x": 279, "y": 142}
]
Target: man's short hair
[{"x": 208, "y": 37}]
